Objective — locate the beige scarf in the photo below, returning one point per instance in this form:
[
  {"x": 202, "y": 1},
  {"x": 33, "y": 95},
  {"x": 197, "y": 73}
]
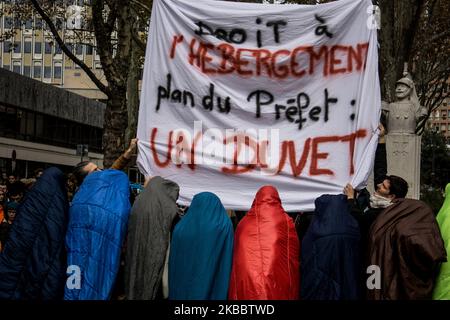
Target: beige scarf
[{"x": 377, "y": 201}]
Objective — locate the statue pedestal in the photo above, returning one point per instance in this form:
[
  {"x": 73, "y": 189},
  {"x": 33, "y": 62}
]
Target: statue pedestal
[{"x": 403, "y": 160}]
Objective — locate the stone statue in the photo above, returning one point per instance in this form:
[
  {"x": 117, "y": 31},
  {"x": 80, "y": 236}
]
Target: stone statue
[
  {"x": 404, "y": 113},
  {"x": 402, "y": 144}
]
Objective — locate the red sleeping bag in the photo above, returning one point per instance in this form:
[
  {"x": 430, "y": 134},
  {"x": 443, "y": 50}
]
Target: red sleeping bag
[{"x": 266, "y": 252}]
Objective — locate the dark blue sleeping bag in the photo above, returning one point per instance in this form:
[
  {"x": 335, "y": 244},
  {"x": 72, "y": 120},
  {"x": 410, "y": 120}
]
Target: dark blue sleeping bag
[
  {"x": 33, "y": 262},
  {"x": 330, "y": 265}
]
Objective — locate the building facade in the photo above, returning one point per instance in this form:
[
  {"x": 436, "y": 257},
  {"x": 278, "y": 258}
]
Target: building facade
[
  {"x": 31, "y": 51},
  {"x": 440, "y": 119},
  {"x": 42, "y": 125}
]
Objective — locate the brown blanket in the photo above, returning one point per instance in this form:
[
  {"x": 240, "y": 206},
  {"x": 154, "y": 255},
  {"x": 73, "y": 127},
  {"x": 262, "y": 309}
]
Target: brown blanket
[{"x": 405, "y": 242}]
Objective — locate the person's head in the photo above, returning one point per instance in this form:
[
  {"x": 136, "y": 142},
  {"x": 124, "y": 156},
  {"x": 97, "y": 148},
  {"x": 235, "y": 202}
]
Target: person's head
[
  {"x": 38, "y": 173},
  {"x": 392, "y": 187},
  {"x": 12, "y": 178},
  {"x": 82, "y": 169},
  {"x": 2, "y": 196},
  {"x": 16, "y": 196},
  {"x": 11, "y": 210},
  {"x": 15, "y": 192},
  {"x": 403, "y": 88}
]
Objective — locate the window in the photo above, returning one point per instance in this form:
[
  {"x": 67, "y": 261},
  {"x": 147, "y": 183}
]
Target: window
[
  {"x": 7, "y": 46},
  {"x": 98, "y": 65},
  {"x": 69, "y": 47},
  {"x": 437, "y": 115},
  {"x": 29, "y": 24},
  {"x": 8, "y": 122},
  {"x": 48, "y": 47},
  {"x": 448, "y": 113},
  {"x": 37, "y": 47},
  {"x": 37, "y": 70},
  {"x": 39, "y": 125},
  {"x": 17, "y": 48},
  {"x": 8, "y": 22},
  {"x": 27, "y": 71},
  {"x": 47, "y": 72},
  {"x": 17, "y": 23},
  {"x": 79, "y": 49},
  {"x": 38, "y": 23},
  {"x": 27, "y": 124},
  {"x": 27, "y": 45},
  {"x": 33, "y": 126},
  {"x": 88, "y": 49},
  {"x": 17, "y": 67},
  {"x": 58, "y": 49},
  {"x": 57, "y": 70},
  {"x": 443, "y": 127}
]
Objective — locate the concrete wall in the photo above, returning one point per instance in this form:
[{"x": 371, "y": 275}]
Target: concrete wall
[{"x": 20, "y": 91}]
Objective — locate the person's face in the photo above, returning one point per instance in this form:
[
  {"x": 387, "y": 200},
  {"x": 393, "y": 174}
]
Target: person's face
[
  {"x": 402, "y": 91},
  {"x": 4, "y": 176},
  {"x": 11, "y": 215},
  {"x": 383, "y": 189},
  {"x": 3, "y": 189},
  {"x": 16, "y": 197},
  {"x": 91, "y": 167},
  {"x": 2, "y": 196},
  {"x": 39, "y": 174},
  {"x": 11, "y": 179}
]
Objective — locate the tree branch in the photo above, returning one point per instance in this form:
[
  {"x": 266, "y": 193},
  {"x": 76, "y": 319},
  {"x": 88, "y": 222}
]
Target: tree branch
[
  {"x": 64, "y": 48},
  {"x": 141, "y": 5},
  {"x": 104, "y": 46}
]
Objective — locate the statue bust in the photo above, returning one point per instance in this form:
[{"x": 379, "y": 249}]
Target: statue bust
[{"x": 404, "y": 113}]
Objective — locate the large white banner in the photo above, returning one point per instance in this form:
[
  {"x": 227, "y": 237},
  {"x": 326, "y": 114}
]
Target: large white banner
[{"x": 240, "y": 95}]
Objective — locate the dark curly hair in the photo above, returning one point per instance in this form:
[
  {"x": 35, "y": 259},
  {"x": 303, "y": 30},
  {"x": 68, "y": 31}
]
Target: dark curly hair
[{"x": 398, "y": 186}]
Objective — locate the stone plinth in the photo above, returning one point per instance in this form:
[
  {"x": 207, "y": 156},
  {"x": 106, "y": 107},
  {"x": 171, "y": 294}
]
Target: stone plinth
[{"x": 403, "y": 160}]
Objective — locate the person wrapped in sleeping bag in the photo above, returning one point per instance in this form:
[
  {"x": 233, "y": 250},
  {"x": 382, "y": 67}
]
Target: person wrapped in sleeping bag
[
  {"x": 441, "y": 289},
  {"x": 33, "y": 262},
  {"x": 201, "y": 251},
  {"x": 98, "y": 220},
  {"x": 266, "y": 252},
  {"x": 330, "y": 264},
  {"x": 148, "y": 238}
]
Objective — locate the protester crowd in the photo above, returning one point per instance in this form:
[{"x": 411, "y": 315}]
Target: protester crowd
[{"x": 91, "y": 236}]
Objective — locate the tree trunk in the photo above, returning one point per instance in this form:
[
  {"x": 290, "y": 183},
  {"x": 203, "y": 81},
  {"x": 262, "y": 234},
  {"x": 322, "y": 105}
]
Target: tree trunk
[
  {"x": 115, "y": 124},
  {"x": 396, "y": 37},
  {"x": 133, "y": 93}
]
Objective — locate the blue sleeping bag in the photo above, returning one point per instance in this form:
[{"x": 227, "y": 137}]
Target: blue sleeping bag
[
  {"x": 330, "y": 265},
  {"x": 33, "y": 262},
  {"x": 201, "y": 251},
  {"x": 97, "y": 227}
]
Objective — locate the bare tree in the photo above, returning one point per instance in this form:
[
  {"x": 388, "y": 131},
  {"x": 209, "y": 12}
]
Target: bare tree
[{"x": 118, "y": 27}]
